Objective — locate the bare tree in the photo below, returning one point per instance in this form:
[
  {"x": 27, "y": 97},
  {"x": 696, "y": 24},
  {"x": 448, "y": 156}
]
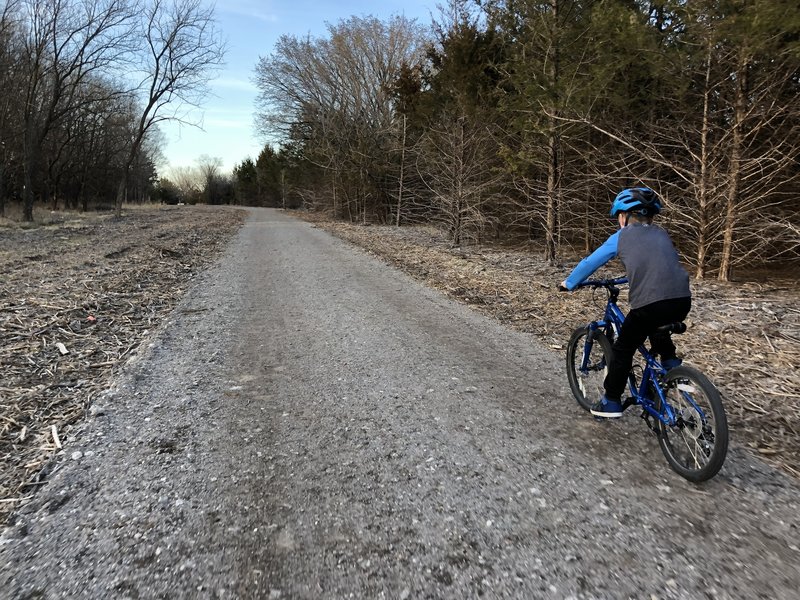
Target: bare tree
[
  {"x": 188, "y": 180},
  {"x": 763, "y": 147},
  {"x": 98, "y": 138},
  {"x": 9, "y": 105},
  {"x": 458, "y": 164},
  {"x": 182, "y": 50},
  {"x": 334, "y": 96},
  {"x": 210, "y": 171},
  {"x": 66, "y": 42}
]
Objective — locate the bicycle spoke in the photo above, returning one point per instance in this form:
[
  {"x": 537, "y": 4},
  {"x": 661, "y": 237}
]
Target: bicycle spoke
[
  {"x": 691, "y": 444},
  {"x": 694, "y": 455},
  {"x": 587, "y": 365}
]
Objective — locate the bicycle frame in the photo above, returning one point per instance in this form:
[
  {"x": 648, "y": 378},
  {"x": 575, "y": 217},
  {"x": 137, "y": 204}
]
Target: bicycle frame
[{"x": 612, "y": 322}]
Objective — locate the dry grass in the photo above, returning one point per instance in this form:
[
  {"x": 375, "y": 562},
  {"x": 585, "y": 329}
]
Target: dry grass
[{"x": 80, "y": 293}]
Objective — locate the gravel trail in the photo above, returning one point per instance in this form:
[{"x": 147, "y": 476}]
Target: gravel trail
[{"x": 311, "y": 423}]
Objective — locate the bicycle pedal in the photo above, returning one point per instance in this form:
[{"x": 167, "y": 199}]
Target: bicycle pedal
[
  {"x": 628, "y": 403},
  {"x": 648, "y": 419}
]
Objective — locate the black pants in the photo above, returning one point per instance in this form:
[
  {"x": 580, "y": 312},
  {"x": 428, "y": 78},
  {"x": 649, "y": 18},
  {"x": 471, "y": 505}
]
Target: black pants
[{"x": 638, "y": 325}]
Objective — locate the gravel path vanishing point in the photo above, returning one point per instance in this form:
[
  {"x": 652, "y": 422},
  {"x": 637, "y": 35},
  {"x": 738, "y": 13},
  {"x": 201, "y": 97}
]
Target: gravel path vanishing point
[{"x": 311, "y": 423}]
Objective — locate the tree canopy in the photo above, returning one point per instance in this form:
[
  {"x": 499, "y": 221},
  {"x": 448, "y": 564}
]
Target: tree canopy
[
  {"x": 521, "y": 119},
  {"x": 95, "y": 79}
]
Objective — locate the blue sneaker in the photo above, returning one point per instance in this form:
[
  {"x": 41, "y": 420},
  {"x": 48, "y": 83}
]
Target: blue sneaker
[
  {"x": 608, "y": 409},
  {"x": 671, "y": 363}
]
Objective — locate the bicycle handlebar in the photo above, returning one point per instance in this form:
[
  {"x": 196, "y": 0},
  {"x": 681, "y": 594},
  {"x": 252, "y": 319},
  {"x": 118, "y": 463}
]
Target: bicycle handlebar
[{"x": 606, "y": 283}]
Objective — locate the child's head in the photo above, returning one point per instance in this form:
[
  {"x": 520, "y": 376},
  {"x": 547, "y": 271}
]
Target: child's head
[{"x": 639, "y": 204}]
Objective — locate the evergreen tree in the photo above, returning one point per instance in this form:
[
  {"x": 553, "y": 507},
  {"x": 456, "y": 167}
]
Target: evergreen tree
[
  {"x": 546, "y": 57},
  {"x": 268, "y": 177},
  {"x": 245, "y": 182}
]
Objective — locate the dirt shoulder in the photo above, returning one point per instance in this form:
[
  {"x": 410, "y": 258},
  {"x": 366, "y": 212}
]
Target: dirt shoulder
[
  {"x": 744, "y": 335},
  {"x": 79, "y": 295}
]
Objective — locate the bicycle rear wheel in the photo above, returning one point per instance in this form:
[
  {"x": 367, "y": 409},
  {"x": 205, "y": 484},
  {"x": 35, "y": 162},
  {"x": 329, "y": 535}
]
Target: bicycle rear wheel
[
  {"x": 587, "y": 383},
  {"x": 696, "y": 445}
]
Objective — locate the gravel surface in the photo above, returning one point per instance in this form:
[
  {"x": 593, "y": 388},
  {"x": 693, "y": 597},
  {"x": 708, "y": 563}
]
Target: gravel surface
[{"x": 311, "y": 423}]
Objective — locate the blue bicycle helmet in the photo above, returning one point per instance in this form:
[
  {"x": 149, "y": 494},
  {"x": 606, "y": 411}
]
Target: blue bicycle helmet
[{"x": 643, "y": 201}]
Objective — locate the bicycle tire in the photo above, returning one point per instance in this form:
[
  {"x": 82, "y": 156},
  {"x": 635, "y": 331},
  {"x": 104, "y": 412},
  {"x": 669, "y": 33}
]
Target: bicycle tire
[
  {"x": 587, "y": 387},
  {"x": 696, "y": 446}
]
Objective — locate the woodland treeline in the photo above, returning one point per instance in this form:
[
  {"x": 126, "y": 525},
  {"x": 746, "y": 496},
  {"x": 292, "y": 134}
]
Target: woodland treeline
[
  {"x": 85, "y": 85},
  {"x": 521, "y": 119}
]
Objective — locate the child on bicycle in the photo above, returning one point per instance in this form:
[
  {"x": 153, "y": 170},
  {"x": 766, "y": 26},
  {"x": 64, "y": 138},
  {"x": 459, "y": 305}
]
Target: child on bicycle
[{"x": 658, "y": 294}]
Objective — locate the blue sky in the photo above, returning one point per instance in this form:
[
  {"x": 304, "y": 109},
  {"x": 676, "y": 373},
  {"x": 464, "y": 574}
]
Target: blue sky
[{"x": 251, "y": 28}]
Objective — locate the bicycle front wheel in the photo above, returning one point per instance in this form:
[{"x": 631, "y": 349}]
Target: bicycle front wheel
[
  {"x": 696, "y": 444},
  {"x": 586, "y": 377}
]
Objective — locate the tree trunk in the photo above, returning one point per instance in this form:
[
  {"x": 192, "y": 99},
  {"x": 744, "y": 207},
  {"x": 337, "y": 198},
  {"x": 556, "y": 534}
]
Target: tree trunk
[
  {"x": 363, "y": 195},
  {"x": 283, "y": 189},
  {"x": 333, "y": 188},
  {"x": 458, "y": 222},
  {"x": 2, "y": 191},
  {"x": 31, "y": 163},
  {"x": 402, "y": 169},
  {"x": 553, "y": 167},
  {"x": 457, "y": 219},
  {"x": 587, "y": 234},
  {"x": 121, "y": 190},
  {"x": 27, "y": 194},
  {"x": 734, "y": 171},
  {"x": 703, "y": 224},
  {"x": 552, "y": 199}
]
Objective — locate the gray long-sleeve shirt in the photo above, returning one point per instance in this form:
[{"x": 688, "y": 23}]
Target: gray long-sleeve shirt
[{"x": 651, "y": 262}]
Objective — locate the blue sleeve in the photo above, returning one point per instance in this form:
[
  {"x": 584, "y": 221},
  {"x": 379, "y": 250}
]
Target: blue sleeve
[{"x": 594, "y": 261}]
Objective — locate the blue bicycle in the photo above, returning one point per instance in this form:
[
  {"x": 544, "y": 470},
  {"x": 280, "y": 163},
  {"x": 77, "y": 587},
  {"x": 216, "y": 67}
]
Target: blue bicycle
[{"x": 681, "y": 406}]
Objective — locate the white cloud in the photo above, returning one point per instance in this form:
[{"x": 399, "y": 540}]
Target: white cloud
[
  {"x": 232, "y": 83},
  {"x": 226, "y": 123},
  {"x": 251, "y": 9}
]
